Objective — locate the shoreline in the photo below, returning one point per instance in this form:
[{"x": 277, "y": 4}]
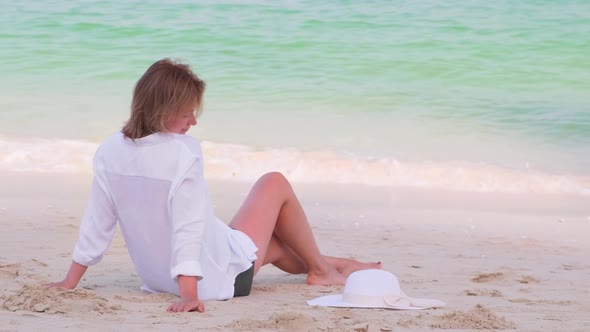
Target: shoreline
[
  {"x": 242, "y": 163},
  {"x": 516, "y": 258}
]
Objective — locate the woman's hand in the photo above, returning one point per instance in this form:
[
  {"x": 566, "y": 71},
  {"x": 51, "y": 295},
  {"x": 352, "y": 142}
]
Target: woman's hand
[
  {"x": 189, "y": 296},
  {"x": 187, "y": 305},
  {"x": 73, "y": 277},
  {"x": 63, "y": 284}
]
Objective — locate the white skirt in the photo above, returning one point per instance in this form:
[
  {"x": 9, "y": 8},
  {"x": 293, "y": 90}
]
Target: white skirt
[{"x": 243, "y": 252}]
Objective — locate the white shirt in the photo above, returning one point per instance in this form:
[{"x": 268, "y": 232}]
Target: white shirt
[{"x": 154, "y": 188}]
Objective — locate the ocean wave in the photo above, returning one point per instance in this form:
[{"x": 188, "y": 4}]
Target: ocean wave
[{"x": 244, "y": 163}]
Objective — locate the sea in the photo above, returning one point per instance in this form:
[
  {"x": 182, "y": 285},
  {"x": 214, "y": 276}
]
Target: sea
[{"x": 471, "y": 95}]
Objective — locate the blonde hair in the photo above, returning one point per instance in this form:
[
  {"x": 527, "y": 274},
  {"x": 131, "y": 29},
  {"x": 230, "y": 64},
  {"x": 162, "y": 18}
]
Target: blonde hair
[{"x": 164, "y": 90}]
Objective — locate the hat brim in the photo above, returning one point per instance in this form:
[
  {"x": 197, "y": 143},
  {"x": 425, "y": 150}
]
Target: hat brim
[{"x": 338, "y": 302}]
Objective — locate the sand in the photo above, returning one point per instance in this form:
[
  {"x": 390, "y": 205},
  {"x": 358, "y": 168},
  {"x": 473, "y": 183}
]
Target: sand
[{"x": 500, "y": 262}]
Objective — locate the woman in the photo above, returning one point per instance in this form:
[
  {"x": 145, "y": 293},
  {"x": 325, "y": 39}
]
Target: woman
[{"x": 149, "y": 178}]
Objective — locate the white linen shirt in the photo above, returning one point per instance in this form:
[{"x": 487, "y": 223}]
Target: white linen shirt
[{"x": 154, "y": 187}]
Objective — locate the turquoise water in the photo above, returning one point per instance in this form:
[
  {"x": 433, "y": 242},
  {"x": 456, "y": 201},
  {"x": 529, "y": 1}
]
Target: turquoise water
[{"x": 504, "y": 83}]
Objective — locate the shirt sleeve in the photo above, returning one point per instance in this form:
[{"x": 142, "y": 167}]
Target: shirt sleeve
[
  {"x": 190, "y": 209},
  {"x": 97, "y": 228}
]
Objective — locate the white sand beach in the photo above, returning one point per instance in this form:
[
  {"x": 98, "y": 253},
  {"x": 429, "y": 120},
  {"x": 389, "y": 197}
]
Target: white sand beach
[{"x": 499, "y": 261}]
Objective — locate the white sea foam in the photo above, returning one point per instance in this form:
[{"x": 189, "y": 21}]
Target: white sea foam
[
  {"x": 244, "y": 163},
  {"x": 46, "y": 155}
]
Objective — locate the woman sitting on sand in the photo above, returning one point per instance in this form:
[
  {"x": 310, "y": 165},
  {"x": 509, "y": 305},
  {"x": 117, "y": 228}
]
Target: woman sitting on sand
[{"x": 149, "y": 177}]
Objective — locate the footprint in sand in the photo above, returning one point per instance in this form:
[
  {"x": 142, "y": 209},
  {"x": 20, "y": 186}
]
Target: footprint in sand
[
  {"x": 478, "y": 318},
  {"x": 154, "y": 298},
  {"x": 487, "y": 277},
  {"x": 540, "y": 302},
  {"x": 38, "y": 262},
  {"x": 22, "y": 272},
  {"x": 483, "y": 292},
  {"x": 57, "y": 300},
  {"x": 287, "y": 321},
  {"x": 9, "y": 271},
  {"x": 527, "y": 280}
]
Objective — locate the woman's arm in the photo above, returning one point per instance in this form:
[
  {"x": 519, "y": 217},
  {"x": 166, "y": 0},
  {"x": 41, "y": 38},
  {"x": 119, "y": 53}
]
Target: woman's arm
[
  {"x": 190, "y": 210},
  {"x": 96, "y": 233},
  {"x": 189, "y": 297},
  {"x": 72, "y": 278}
]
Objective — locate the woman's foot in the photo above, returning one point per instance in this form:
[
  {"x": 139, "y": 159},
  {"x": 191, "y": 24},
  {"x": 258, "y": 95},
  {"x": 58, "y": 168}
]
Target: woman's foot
[
  {"x": 328, "y": 277},
  {"x": 346, "y": 266}
]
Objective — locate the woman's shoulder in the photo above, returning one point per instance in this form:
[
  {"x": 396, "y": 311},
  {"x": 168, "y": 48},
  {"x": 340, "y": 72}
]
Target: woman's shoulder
[
  {"x": 191, "y": 142},
  {"x": 117, "y": 143},
  {"x": 113, "y": 139}
]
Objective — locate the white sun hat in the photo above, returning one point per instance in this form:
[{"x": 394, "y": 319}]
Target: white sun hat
[{"x": 374, "y": 289}]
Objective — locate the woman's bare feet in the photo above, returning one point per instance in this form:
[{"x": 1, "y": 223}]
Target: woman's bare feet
[
  {"x": 346, "y": 266},
  {"x": 330, "y": 276}
]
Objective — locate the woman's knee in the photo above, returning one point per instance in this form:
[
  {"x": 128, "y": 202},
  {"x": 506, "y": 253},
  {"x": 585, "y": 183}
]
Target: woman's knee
[
  {"x": 275, "y": 187},
  {"x": 276, "y": 179}
]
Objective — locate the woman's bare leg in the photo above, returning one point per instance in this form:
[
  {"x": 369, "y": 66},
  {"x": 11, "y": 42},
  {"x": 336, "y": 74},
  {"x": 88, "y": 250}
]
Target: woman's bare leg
[
  {"x": 272, "y": 209},
  {"x": 346, "y": 266},
  {"x": 281, "y": 256},
  {"x": 285, "y": 259}
]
